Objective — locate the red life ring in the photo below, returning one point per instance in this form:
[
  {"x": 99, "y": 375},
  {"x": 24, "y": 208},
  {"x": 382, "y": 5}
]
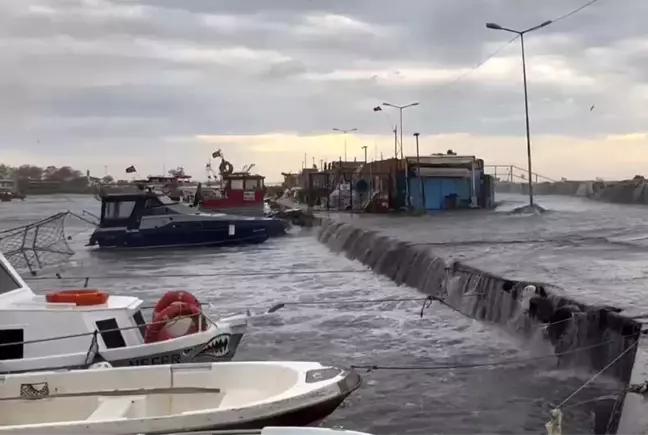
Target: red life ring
[
  {"x": 174, "y": 296},
  {"x": 155, "y": 331},
  {"x": 84, "y": 297}
]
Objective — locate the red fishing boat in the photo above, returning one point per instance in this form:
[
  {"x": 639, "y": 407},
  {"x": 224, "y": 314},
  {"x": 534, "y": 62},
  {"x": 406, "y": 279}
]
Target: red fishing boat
[{"x": 238, "y": 192}]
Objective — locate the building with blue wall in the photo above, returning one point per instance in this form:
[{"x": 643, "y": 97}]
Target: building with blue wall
[{"x": 441, "y": 182}]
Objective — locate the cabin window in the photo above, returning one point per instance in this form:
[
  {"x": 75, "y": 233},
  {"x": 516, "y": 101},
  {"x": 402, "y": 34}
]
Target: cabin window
[
  {"x": 139, "y": 320},
  {"x": 110, "y": 333},
  {"x": 237, "y": 184},
  {"x": 151, "y": 203},
  {"x": 119, "y": 210},
  {"x": 251, "y": 184},
  {"x": 7, "y": 281},
  {"x": 14, "y": 351}
]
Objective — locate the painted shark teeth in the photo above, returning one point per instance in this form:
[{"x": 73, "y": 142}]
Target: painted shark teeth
[{"x": 218, "y": 346}]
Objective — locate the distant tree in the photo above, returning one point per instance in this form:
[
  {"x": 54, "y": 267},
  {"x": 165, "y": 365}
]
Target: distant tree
[
  {"x": 30, "y": 172},
  {"x": 108, "y": 179},
  {"x": 66, "y": 173},
  {"x": 49, "y": 172},
  {"x": 6, "y": 171},
  {"x": 122, "y": 181}
]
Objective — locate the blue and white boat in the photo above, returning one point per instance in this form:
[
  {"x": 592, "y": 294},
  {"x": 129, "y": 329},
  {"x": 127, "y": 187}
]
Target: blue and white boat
[{"x": 147, "y": 219}]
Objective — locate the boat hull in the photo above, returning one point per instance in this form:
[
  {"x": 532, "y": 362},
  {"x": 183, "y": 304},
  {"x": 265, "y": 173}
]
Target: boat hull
[
  {"x": 256, "y": 210},
  {"x": 216, "y": 344},
  {"x": 246, "y": 395},
  {"x": 219, "y": 349},
  {"x": 180, "y": 236}
]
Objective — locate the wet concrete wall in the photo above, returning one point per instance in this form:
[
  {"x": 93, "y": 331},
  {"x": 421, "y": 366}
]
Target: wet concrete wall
[
  {"x": 621, "y": 192},
  {"x": 595, "y": 334}
]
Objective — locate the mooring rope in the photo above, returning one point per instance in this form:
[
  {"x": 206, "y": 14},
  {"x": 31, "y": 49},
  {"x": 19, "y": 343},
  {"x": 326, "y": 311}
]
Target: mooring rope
[
  {"x": 194, "y": 275},
  {"x": 502, "y": 362}
]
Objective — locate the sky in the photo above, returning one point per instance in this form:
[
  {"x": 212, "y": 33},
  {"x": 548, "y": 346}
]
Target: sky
[{"x": 105, "y": 84}]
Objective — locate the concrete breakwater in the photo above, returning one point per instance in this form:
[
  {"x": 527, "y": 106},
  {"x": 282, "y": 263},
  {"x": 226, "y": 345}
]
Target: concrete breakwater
[
  {"x": 583, "y": 335},
  {"x": 633, "y": 191}
]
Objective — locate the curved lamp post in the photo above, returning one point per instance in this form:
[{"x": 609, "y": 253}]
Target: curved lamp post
[
  {"x": 344, "y": 132},
  {"x": 495, "y": 26},
  {"x": 400, "y": 109}
]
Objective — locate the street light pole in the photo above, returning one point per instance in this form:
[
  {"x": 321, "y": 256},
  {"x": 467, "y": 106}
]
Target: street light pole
[
  {"x": 418, "y": 161},
  {"x": 400, "y": 109},
  {"x": 495, "y": 26},
  {"x": 395, "y": 143},
  {"x": 365, "y": 150},
  {"x": 344, "y": 132}
]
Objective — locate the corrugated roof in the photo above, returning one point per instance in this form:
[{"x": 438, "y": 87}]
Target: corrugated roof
[
  {"x": 444, "y": 172},
  {"x": 443, "y": 160}
]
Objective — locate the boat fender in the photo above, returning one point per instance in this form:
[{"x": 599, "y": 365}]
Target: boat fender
[
  {"x": 158, "y": 330},
  {"x": 83, "y": 297},
  {"x": 174, "y": 296}
]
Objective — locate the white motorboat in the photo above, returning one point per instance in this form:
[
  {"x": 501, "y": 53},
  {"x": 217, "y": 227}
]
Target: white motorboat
[
  {"x": 182, "y": 397},
  {"x": 72, "y": 329}
]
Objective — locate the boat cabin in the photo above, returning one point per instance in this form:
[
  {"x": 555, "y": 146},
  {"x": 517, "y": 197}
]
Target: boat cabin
[
  {"x": 244, "y": 185},
  {"x": 33, "y": 330},
  {"x": 240, "y": 193},
  {"x": 127, "y": 209}
]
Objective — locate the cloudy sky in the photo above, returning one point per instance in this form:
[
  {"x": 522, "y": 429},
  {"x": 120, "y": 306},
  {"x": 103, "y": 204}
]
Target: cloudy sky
[{"x": 162, "y": 83}]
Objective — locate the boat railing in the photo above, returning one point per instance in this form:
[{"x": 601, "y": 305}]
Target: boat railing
[{"x": 94, "y": 333}]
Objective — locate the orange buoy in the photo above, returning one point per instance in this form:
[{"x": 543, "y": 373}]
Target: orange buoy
[
  {"x": 155, "y": 331},
  {"x": 83, "y": 297}
]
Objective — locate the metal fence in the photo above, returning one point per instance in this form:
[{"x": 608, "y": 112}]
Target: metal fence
[{"x": 352, "y": 191}]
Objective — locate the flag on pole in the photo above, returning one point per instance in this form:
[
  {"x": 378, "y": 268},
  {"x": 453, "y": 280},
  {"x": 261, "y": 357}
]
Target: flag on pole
[
  {"x": 377, "y": 109},
  {"x": 131, "y": 169},
  {"x": 217, "y": 154}
]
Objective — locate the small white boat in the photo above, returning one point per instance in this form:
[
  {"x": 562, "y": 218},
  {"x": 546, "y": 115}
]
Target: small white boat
[
  {"x": 162, "y": 399},
  {"x": 72, "y": 329}
]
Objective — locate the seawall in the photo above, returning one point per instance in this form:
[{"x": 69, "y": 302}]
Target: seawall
[
  {"x": 633, "y": 191},
  {"x": 585, "y": 335}
]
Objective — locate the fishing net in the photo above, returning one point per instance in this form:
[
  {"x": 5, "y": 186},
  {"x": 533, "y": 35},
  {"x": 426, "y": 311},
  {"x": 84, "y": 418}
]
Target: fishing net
[{"x": 36, "y": 245}]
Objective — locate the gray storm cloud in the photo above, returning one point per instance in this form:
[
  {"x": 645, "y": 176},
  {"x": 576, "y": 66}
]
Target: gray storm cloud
[{"x": 136, "y": 71}]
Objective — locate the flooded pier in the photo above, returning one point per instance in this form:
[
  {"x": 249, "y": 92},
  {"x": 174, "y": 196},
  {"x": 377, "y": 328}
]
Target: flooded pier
[{"x": 516, "y": 271}]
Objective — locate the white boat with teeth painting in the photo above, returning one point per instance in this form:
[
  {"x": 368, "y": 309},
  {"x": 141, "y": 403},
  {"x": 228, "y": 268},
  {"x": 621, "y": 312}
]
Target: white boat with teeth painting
[
  {"x": 166, "y": 398},
  {"x": 75, "y": 328}
]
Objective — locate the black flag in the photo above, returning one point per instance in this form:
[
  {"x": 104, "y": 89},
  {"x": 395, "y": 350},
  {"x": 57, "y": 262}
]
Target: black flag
[
  {"x": 130, "y": 169},
  {"x": 377, "y": 109}
]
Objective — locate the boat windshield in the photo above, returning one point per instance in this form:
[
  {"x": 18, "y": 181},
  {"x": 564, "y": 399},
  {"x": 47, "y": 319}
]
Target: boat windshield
[
  {"x": 165, "y": 200},
  {"x": 118, "y": 209}
]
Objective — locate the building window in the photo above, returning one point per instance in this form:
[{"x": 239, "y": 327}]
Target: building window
[
  {"x": 14, "y": 351},
  {"x": 110, "y": 333}
]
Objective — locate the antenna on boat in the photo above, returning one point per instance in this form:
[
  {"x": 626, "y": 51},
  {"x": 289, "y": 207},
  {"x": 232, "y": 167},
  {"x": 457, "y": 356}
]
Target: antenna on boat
[{"x": 247, "y": 168}]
